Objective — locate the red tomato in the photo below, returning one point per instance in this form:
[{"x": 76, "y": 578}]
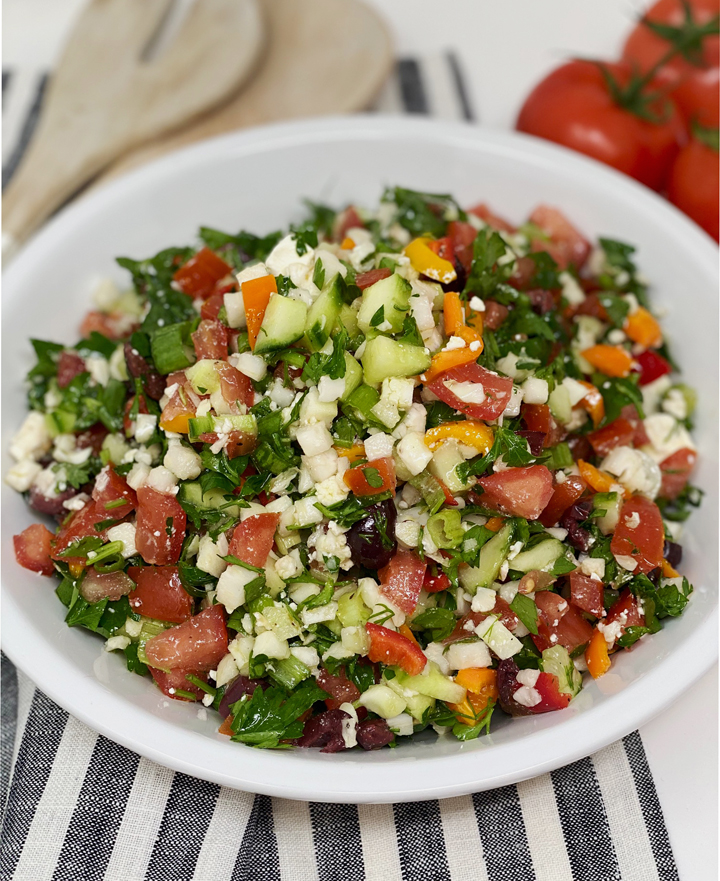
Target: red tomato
[
  {"x": 239, "y": 443},
  {"x": 618, "y": 433},
  {"x": 520, "y": 492},
  {"x": 443, "y": 248},
  {"x": 676, "y": 471},
  {"x": 586, "y": 593},
  {"x": 652, "y": 366},
  {"x": 494, "y": 315},
  {"x": 160, "y": 526},
  {"x": 366, "y": 279},
  {"x": 211, "y": 340},
  {"x": 235, "y": 387},
  {"x": 32, "y": 549},
  {"x": 70, "y": 365},
  {"x": 176, "y": 413},
  {"x": 573, "y": 106},
  {"x": 201, "y": 273},
  {"x": 693, "y": 83},
  {"x": 253, "y": 539},
  {"x": 507, "y": 617},
  {"x": 497, "y": 390},
  {"x": 80, "y": 524},
  {"x": 340, "y": 688},
  {"x": 402, "y": 580},
  {"x": 109, "y": 489},
  {"x": 559, "y": 623},
  {"x": 462, "y": 235},
  {"x": 495, "y": 221},
  {"x": 644, "y": 542},
  {"x": 435, "y": 581},
  {"x": 348, "y": 219},
  {"x": 564, "y": 495},
  {"x": 640, "y": 437},
  {"x": 97, "y": 586},
  {"x": 537, "y": 417},
  {"x": 197, "y": 644},
  {"x": 168, "y": 683},
  {"x": 625, "y": 611},
  {"x": 211, "y": 307},
  {"x": 114, "y": 326},
  {"x": 357, "y": 478},
  {"x": 547, "y": 686},
  {"x": 694, "y": 184},
  {"x": 159, "y": 594},
  {"x": 567, "y": 244},
  {"x": 394, "y": 649}
]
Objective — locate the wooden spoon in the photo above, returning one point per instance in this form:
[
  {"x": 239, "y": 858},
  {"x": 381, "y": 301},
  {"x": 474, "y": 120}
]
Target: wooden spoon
[
  {"x": 104, "y": 99},
  {"x": 323, "y": 57}
]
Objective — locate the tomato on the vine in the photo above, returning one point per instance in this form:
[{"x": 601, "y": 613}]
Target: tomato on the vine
[
  {"x": 695, "y": 180},
  {"x": 602, "y": 110}
]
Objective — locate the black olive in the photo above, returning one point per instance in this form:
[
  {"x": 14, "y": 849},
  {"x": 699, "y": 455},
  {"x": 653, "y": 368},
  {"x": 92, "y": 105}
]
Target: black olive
[
  {"x": 673, "y": 553},
  {"x": 372, "y": 539}
]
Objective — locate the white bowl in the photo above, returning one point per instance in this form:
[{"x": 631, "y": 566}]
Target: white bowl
[{"x": 256, "y": 180}]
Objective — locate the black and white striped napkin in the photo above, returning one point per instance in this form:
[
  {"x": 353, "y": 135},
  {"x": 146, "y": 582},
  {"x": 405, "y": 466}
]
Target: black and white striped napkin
[{"x": 78, "y": 807}]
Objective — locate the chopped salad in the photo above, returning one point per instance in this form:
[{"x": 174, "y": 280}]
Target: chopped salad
[{"x": 393, "y": 470}]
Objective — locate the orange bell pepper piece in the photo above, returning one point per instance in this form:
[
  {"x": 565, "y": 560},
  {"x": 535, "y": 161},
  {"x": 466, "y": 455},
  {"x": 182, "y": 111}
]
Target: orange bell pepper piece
[
  {"x": 668, "y": 571},
  {"x": 406, "y": 632},
  {"x": 596, "y": 655},
  {"x": 347, "y": 244},
  {"x": 453, "y": 313},
  {"x": 593, "y": 403},
  {"x": 476, "y": 321},
  {"x": 425, "y": 261},
  {"x": 478, "y": 680},
  {"x": 600, "y": 481},
  {"x": 256, "y": 295},
  {"x": 471, "y": 432},
  {"x": 76, "y": 569},
  {"x": 177, "y": 413},
  {"x": 443, "y": 361},
  {"x": 481, "y": 685},
  {"x": 642, "y": 328},
  {"x": 352, "y": 454},
  {"x": 226, "y": 727},
  {"x": 494, "y": 524},
  {"x": 610, "y": 360}
]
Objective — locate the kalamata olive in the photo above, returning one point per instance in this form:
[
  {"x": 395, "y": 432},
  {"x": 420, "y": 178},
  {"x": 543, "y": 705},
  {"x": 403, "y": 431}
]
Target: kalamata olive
[
  {"x": 535, "y": 440},
  {"x": 235, "y": 690},
  {"x": 507, "y": 685},
  {"x": 324, "y": 730},
  {"x": 541, "y": 301},
  {"x": 673, "y": 553},
  {"x": 372, "y": 539},
  {"x": 578, "y": 537},
  {"x": 374, "y": 734},
  {"x": 340, "y": 689},
  {"x": 580, "y": 447},
  {"x": 137, "y": 366},
  {"x": 92, "y": 437},
  {"x": 51, "y": 505}
]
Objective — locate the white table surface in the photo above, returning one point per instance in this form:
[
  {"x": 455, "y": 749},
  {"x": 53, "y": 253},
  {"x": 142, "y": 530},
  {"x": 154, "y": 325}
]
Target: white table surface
[{"x": 504, "y": 48}]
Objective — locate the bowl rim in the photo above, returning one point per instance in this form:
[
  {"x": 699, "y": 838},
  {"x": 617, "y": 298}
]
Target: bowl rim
[{"x": 357, "y": 780}]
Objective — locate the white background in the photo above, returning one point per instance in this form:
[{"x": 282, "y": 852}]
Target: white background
[{"x": 504, "y": 47}]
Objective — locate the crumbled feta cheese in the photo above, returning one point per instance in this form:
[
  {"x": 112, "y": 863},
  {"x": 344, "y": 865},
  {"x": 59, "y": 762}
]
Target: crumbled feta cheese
[
  {"x": 627, "y": 562},
  {"x": 307, "y": 655},
  {"x": 526, "y": 696},
  {"x": 379, "y": 446},
  {"x": 163, "y": 480},
  {"x": 414, "y": 453},
  {"x": 65, "y": 449},
  {"x": 477, "y": 304},
  {"x": 231, "y": 585},
  {"x": 322, "y": 465},
  {"x": 289, "y": 566},
  {"x": 330, "y": 389},
  {"x": 331, "y": 491},
  {"x": 314, "y": 438},
  {"x": 251, "y": 365},
  {"x": 675, "y": 404},
  {"x": 653, "y": 394},
  {"x": 635, "y": 470},
  {"x": 468, "y": 654},
  {"x": 137, "y": 476},
  {"x": 535, "y": 391},
  {"x": 125, "y": 533},
  {"x": 513, "y": 406},
  {"x": 403, "y": 724},
  {"x": 226, "y": 671},
  {"x": 305, "y": 513},
  {"x": 270, "y": 645},
  {"x": 484, "y": 600},
  {"x": 571, "y": 290},
  {"x": 330, "y": 543},
  {"x": 435, "y": 652},
  {"x": 666, "y": 435},
  {"x": 145, "y": 424},
  {"x": 455, "y": 342},
  {"x": 414, "y": 420},
  {"x": 32, "y": 440},
  {"x": 21, "y": 476},
  {"x": 98, "y": 368},
  {"x": 528, "y": 677},
  {"x": 633, "y": 521},
  {"x": 182, "y": 461},
  {"x": 593, "y": 567},
  {"x": 241, "y": 648},
  {"x": 210, "y": 555}
]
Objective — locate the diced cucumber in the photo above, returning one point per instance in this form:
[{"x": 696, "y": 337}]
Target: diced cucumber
[
  {"x": 348, "y": 319},
  {"x": 221, "y": 425},
  {"x": 498, "y": 638},
  {"x": 353, "y": 376},
  {"x": 492, "y": 555},
  {"x": 443, "y": 465},
  {"x": 417, "y": 704},
  {"x": 204, "y": 376},
  {"x": 560, "y": 405},
  {"x": 429, "y": 488},
  {"x": 541, "y": 557},
  {"x": 392, "y": 295},
  {"x": 352, "y": 611},
  {"x": 280, "y": 622},
  {"x": 191, "y": 493},
  {"x": 282, "y": 325},
  {"x": 557, "y": 661},
  {"x": 382, "y": 700},
  {"x": 384, "y": 357},
  {"x": 433, "y": 683},
  {"x": 323, "y": 314},
  {"x": 606, "y": 511},
  {"x": 288, "y": 672},
  {"x": 113, "y": 449}
]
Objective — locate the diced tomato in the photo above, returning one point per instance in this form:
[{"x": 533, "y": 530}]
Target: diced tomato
[
  {"x": 494, "y": 315},
  {"x": 552, "y": 698},
  {"x": 462, "y": 235},
  {"x": 159, "y": 594},
  {"x": 160, "y": 526},
  {"x": 33, "y": 549},
  {"x": 235, "y": 387},
  {"x": 70, "y": 365},
  {"x": 443, "y": 248},
  {"x": 507, "y": 617},
  {"x": 170, "y": 682},
  {"x": 211, "y": 307},
  {"x": 652, "y": 366},
  {"x": 199, "y": 643},
  {"x": 366, "y": 279},
  {"x": 348, "y": 219},
  {"x": 402, "y": 580},
  {"x": 97, "y": 586},
  {"x": 497, "y": 390},
  {"x": 114, "y": 326},
  {"x": 80, "y": 524},
  {"x": 200, "y": 274},
  {"x": 537, "y": 417},
  {"x": 591, "y": 306},
  {"x": 644, "y": 542},
  {"x": 365, "y": 482},
  {"x": 619, "y": 433},
  {"x": 520, "y": 492},
  {"x": 394, "y": 649},
  {"x": 676, "y": 470},
  {"x": 340, "y": 688},
  {"x": 112, "y": 494},
  {"x": 567, "y": 245},
  {"x": 434, "y": 580},
  {"x": 559, "y": 623},
  {"x": 211, "y": 340},
  {"x": 586, "y": 593},
  {"x": 640, "y": 436},
  {"x": 239, "y": 443},
  {"x": 496, "y": 222},
  {"x": 626, "y": 612},
  {"x": 253, "y": 539},
  {"x": 564, "y": 495},
  {"x": 176, "y": 413}
]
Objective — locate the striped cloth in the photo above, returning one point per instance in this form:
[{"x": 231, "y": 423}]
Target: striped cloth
[{"x": 78, "y": 807}]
